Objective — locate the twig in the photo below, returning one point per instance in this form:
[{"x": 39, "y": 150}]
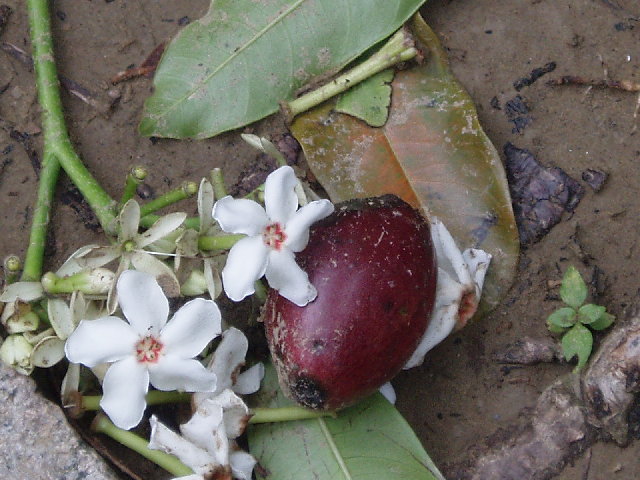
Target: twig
[
  {"x": 626, "y": 85},
  {"x": 147, "y": 68},
  {"x": 73, "y": 87}
]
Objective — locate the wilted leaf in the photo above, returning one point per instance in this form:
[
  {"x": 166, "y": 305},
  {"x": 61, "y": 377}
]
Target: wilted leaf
[
  {"x": 573, "y": 290},
  {"x": 235, "y": 64},
  {"x": 577, "y": 341},
  {"x": 432, "y": 152},
  {"x": 368, "y": 440},
  {"x": 370, "y": 100}
]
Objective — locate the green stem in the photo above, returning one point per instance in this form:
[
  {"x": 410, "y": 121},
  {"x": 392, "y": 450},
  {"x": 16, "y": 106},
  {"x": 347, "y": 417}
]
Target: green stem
[
  {"x": 393, "y": 52},
  {"x": 148, "y": 220},
  {"x": 101, "y": 424},
  {"x": 260, "y": 291},
  {"x": 135, "y": 176},
  {"x": 154, "y": 397},
  {"x": 57, "y": 146},
  {"x": 186, "y": 190},
  {"x": 217, "y": 181},
  {"x": 286, "y": 414},
  {"x": 220, "y": 242}
]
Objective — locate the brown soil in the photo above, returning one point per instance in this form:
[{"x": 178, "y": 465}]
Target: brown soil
[{"x": 460, "y": 397}]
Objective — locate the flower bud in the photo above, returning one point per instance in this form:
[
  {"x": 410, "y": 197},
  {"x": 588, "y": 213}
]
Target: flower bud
[
  {"x": 16, "y": 353},
  {"x": 195, "y": 284}
]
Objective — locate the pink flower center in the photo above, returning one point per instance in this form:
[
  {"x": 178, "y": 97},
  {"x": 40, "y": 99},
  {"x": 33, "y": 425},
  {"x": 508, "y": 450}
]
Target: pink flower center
[
  {"x": 148, "y": 350},
  {"x": 273, "y": 236}
]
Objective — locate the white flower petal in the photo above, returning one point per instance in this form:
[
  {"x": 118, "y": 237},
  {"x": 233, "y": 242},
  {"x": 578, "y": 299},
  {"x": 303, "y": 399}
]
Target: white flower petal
[
  {"x": 24, "y": 291},
  {"x": 448, "y": 254},
  {"x": 142, "y": 302},
  {"x": 236, "y": 413},
  {"x": 205, "y": 205},
  {"x": 161, "y": 228},
  {"x": 206, "y": 429},
  {"x": 388, "y": 392},
  {"x": 102, "y": 340},
  {"x": 192, "y": 327},
  {"x": 478, "y": 262},
  {"x": 297, "y": 228},
  {"x": 227, "y": 358},
  {"x": 60, "y": 317},
  {"x": 240, "y": 216},
  {"x": 284, "y": 274},
  {"x": 70, "y": 384},
  {"x": 249, "y": 381},
  {"x": 242, "y": 464},
  {"x": 47, "y": 352},
  {"x": 184, "y": 374},
  {"x": 164, "y": 439},
  {"x": 88, "y": 258},
  {"x": 212, "y": 278},
  {"x": 443, "y": 319},
  {"x": 163, "y": 274},
  {"x": 124, "y": 388},
  {"x": 246, "y": 263},
  {"x": 280, "y": 199},
  {"x": 129, "y": 220}
]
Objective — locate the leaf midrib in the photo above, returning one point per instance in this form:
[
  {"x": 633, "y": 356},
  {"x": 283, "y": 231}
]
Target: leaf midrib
[
  {"x": 234, "y": 54},
  {"x": 334, "y": 449}
]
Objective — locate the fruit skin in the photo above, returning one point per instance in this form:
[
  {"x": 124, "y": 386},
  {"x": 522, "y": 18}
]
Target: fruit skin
[{"x": 374, "y": 267}]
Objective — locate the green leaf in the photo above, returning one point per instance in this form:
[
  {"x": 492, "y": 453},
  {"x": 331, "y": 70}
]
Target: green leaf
[
  {"x": 573, "y": 290},
  {"x": 368, "y": 440},
  {"x": 590, "y": 313},
  {"x": 605, "y": 321},
  {"x": 235, "y": 64},
  {"x": 370, "y": 100},
  {"x": 432, "y": 152},
  {"x": 577, "y": 341},
  {"x": 563, "y": 318}
]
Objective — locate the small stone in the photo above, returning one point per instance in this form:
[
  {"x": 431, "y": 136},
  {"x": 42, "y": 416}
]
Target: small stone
[
  {"x": 594, "y": 178},
  {"x": 35, "y": 439}
]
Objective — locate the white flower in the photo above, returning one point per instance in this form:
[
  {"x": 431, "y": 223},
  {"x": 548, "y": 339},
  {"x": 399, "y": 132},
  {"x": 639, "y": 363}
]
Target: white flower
[
  {"x": 460, "y": 280},
  {"x": 226, "y": 362},
  {"x": 147, "y": 349},
  {"x": 274, "y": 234},
  {"x": 207, "y": 443}
]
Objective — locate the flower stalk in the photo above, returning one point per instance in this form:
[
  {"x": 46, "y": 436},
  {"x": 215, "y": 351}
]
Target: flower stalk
[
  {"x": 90, "y": 403},
  {"x": 101, "y": 424},
  {"x": 134, "y": 178},
  {"x": 399, "y": 48},
  {"x": 58, "y": 150},
  {"x": 186, "y": 190},
  {"x": 285, "y": 414},
  {"x": 219, "y": 242}
]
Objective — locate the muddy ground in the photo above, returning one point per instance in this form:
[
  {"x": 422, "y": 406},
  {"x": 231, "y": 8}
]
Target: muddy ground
[{"x": 460, "y": 397}]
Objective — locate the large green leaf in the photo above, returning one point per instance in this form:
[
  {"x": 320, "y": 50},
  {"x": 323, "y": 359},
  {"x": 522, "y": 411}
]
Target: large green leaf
[
  {"x": 235, "y": 64},
  {"x": 432, "y": 152},
  {"x": 368, "y": 440}
]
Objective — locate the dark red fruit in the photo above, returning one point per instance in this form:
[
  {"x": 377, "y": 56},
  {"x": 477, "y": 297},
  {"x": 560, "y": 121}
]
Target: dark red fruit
[{"x": 374, "y": 267}]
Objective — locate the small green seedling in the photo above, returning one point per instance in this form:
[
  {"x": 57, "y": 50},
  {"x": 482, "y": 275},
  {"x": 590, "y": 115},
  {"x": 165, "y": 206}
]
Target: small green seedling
[{"x": 574, "y": 319}]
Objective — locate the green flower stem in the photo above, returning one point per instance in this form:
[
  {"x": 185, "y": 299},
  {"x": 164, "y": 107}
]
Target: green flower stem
[
  {"x": 154, "y": 397},
  {"x": 186, "y": 190},
  {"x": 134, "y": 178},
  {"x": 88, "y": 282},
  {"x": 285, "y": 414},
  {"x": 260, "y": 291},
  {"x": 101, "y": 424},
  {"x": 58, "y": 150},
  {"x": 217, "y": 181},
  {"x": 220, "y": 242},
  {"x": 34, "y": 257},
  {"x": 393, "y": 52},
  {"x": 148, "y": 220}
]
